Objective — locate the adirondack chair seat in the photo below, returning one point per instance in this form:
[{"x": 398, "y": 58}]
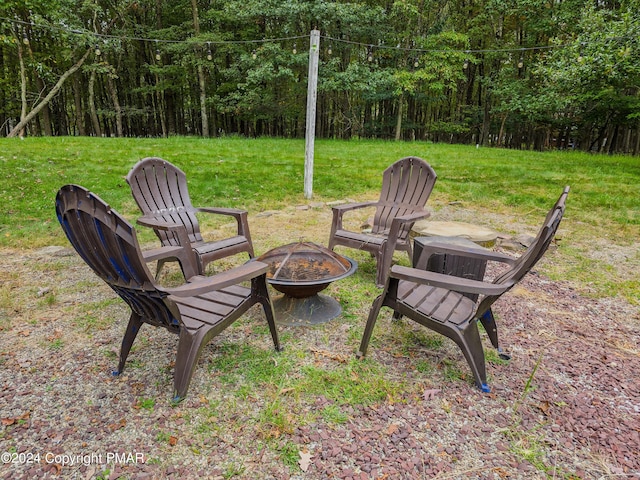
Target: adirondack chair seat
[
  {"x": 197, "y": 311},
  {"x": 406, "y": 187},
  {"x": 440, "y": 304},
  {"x": 160, "y": 191},
  {"x": 438, "y": 301}
]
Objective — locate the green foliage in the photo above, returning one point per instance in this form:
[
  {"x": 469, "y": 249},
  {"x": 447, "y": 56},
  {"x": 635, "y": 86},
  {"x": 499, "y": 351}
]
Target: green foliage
[{"x": 395, "y": 69}]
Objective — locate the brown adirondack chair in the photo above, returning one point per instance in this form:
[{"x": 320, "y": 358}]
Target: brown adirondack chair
[
  {"x": 197, "y": 311},
  {"x": 406, "y": 186},
  {"x": 437, "y": 301},
  {"x": 160, "y": 190}
]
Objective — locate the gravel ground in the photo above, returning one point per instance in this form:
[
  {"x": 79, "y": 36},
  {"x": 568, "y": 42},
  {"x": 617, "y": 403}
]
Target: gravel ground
[{"x": 566, "y": 406}]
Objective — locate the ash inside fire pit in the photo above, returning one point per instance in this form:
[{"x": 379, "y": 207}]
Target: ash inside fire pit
[{"x": 299, "y": 271}]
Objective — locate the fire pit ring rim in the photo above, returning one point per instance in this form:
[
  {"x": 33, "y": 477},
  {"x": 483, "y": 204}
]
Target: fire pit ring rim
[
  {"x": 327, "y": 280},
  {"x": 322, "y": 282}
]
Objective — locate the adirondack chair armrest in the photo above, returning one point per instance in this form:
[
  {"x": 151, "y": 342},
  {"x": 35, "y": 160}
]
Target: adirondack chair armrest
[
  {"x": 199, "y": 285},
  {"x": 450, "y": 282},
  {"x": 241, "y": 217},
  {"x": 234, "y": 212},
  {"x": 340, "y": 210},
  {"x": 160, "y": 223},
  {"x": 410, "y": 217},
  {"x": 159, "y": 253},
  {"x": 345, "y": 207},
  {"x": 153, "y": 221},
  {"x": 461, "y": 251}
]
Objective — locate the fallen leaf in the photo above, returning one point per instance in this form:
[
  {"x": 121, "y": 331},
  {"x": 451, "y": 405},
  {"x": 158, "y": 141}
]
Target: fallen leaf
[
  {"x": 305, "y": 460},
  {"x": 430, "y": 394},
  {"x": 391, "y": 429},
  {"x": 117, "y": 426},
  {"x": 544, "y": 406},
  {"x": 327, "y": 354},
  {"x": 10, "y": 421},
  {"x": 173, "y": 441},
  {"x": 502, "y": 473}
]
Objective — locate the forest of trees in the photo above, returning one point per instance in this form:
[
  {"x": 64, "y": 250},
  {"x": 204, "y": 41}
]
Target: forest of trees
[{"x": 527, "y": 74}]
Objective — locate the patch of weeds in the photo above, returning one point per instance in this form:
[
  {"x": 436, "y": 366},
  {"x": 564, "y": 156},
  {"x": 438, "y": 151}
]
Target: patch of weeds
[
  {"x": 420, "y": 338},
  {"x": 248, "y": 367},
  {"x": 134, "y": 363},
  {"x": 359, "y": 382},
  {"x": 111, "y": 354},
  {"x": 162, "y": 437},
  {"x": 5, "y": 321},
  {"x": 529, "y": 446},
  {"x": 170, "y": 278},
  {"x": 146, "y": 403},
  {"x": 261, "y": 329},
  {"x": 289, "y": 453},
  {"x": 53, "y": 266},
  {"x": 528, "y": 386},
  {"x": 104, "y": 475},
  {"x": 95, "y": 316},
  {"x": 492, "y": 356},
  {"x": 276, "y": 419},
  {"x": 56, "y": 344},
  {"x": 47, "y": 300},
  {"x": 451, "y": 371},
  {"x": 233, "y": 470},
  {"x": 7, "y": 304},
  {"x": 217, "y": 416},
  {"x": 333, "y": 414},
  {"x": 425, "y": 367},
  {"x": 245, "y": 391}
]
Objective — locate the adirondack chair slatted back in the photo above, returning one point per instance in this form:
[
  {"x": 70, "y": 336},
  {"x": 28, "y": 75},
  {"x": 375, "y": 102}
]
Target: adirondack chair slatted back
[
  {"x": 534, "y": 253},
  {"x": 406, "y": 186},
  {"x": 160, "y": 188},
  {"x": 108, "y": 244}
]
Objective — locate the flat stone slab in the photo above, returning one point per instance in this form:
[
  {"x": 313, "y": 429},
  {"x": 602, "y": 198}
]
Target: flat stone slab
[{"x": 476, "y": 233}]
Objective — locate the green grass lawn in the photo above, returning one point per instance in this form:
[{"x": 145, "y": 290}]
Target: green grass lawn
[
  {"x": 261, "y": 174},
  {"x": 53, "y": 309}
]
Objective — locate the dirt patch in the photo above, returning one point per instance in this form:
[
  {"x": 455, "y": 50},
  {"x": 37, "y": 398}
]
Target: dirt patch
[{"x": 566, "y": 406}]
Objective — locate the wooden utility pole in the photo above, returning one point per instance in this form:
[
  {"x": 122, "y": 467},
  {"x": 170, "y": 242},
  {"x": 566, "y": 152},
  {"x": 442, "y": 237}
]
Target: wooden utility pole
[{"x": 312, "y": 94}]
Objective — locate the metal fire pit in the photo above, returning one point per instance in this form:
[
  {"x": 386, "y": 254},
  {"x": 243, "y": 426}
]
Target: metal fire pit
[{"x": 300, "y": 271}]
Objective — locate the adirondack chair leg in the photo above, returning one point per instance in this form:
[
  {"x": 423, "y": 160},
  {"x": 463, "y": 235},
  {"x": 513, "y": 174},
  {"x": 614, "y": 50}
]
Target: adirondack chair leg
[
  {"x": 189, "y": 348},
  {"x": 133, "y": 328},
  {"x": 368, "y": 330},
  {"x": 381, "y": 274},
  {"x": 491, "y": 327},
  {"x": 471, "y": 345},
  {"x": 159, "y": 267},
  {"x": 260, "y": 284}
]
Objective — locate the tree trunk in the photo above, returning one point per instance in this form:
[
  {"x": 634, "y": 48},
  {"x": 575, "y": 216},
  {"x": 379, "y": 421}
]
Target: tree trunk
[
  {"x": 501, "y": 134},
  {"x": 399, "y": 118},
  {"x": 116, "y": 104},
  {"x": 77, "y": 97},
  {"x": 45, "y": 101},
  {"x": 95, "y": 123},
  {"x": 23, "y": 91},
  {"x": 201, "y": 79}
]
